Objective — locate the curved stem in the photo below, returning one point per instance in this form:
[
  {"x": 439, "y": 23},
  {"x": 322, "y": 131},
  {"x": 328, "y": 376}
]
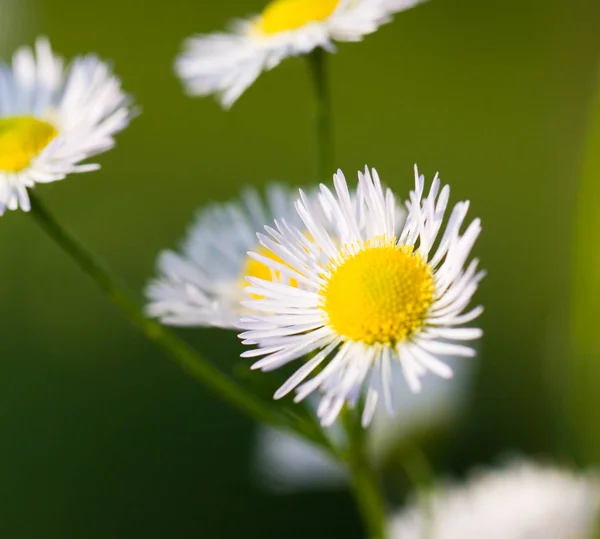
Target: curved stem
[
  {"x": 182, "y": 354},
  {"x": 324, "y": 126}
]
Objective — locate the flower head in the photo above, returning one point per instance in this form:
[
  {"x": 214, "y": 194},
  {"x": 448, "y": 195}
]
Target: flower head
[
  {"x": 204, "y": 284},
  {"x": 52, "y": 118},
  {"x": 226, "y": 64},
  {"x": 519, "y": 501},
  {"x": 367, "y": 300}
]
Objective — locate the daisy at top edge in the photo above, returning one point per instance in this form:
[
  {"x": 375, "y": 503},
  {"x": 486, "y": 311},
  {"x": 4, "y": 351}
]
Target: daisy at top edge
[
  {"x": 368, "y": 300},
  {"x": 52, "y": 117},
  {"x": 203, "y": 284},
  {"x": 227, "y": 63},
  {"x": 521, "y": 500}
]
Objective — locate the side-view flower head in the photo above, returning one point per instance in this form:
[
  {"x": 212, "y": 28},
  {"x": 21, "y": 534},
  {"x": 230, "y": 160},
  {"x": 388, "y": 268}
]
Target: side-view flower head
[
  {"x": 52, "y": 117},
  {"x": 227, "y": 63},
  {"x": 203, "y": 286},
  {"x": 361, "y": 300},
  {"x": 519, "y": 501}
]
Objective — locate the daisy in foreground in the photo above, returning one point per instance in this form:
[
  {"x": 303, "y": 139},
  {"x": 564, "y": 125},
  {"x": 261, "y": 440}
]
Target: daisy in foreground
[
  {"x": 520, "y": 501},
  {"x": 204, "y": 284},
  {"x": 226, "y": 64},
  {"x": 52, "y": 118},
  {"x": 362, "y": 300}
]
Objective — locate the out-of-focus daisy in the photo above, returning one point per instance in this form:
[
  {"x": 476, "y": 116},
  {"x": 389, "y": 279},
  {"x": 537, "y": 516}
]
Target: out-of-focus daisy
[
  {"x": 53, "y": 117},
  {"x": 203, "y": 285},
  {"x": 227, "y": 63},
  {"x": 367, "y": 301},
  {"x": 519, "y": 501},
  {"x": 285, "y": 463}
]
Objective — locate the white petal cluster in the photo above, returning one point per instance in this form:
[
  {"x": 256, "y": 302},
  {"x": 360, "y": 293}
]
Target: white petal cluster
[
  {"x": 519, "y": 501},
  {"x": 82, "y": 101},
  {"x": 290, "y": 322},
  {"x": 204, "y": 284},
  {"x": 227, "y": 63}
]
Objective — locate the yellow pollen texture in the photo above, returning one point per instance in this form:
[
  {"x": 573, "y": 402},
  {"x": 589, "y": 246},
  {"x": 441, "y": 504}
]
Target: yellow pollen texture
[
  {"x": 379, "y": 295},
  {"x": 21, "y": 139},
  {"x": 283, "y": 15},
  {"x": 254, "y": 268}
]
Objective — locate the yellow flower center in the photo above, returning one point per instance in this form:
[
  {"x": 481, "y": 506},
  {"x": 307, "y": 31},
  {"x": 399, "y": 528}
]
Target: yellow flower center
[
  {"x": 21, "y": 139},
  {"x": 283, "y": 15},
  {"x": 254, "y": 268},
  {"x": 379, "y": 295}
]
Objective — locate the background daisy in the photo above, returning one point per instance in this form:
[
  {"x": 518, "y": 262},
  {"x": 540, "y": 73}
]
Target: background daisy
[
  {"x": 227, "y": 63},
  {"x": 203, "y": 285},
  {"x": 53, "y": 117},
  {"x": 368, "y": 302},
  {"x": 519, "y": 501}
]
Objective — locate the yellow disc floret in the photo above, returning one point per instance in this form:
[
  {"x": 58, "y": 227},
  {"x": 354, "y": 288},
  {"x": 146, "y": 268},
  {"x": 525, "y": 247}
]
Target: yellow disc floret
[
  {"x": 283, "y": 15},
  {"x": 255, "y": 268},
  {"x": 21, "y": 139},
  {"x": 380, "y": 294}
]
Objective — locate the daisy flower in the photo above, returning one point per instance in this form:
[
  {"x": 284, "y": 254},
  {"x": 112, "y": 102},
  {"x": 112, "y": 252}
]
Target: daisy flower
[
  {"x": 519, "y": 501},
  {"x": 285, "y": 463},
  {"x": 366, "y": 300},
  {"x": 204, "y": 283},
  {"x": 227, "y": 63},
  {"x": 53, "y": 117}
]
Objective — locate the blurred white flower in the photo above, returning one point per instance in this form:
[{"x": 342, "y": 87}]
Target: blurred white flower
[
  {"x": 204, "y": 284},
  {"x": 53, "y": 117},
  {"x": 519, "y": 501},
  {"x": 227, "y": 63},
  {"x": 368, "y": 300},
  {"x": 285, "y": 463}
]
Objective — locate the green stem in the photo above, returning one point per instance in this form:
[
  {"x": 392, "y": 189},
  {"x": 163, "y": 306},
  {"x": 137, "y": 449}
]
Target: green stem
[
  {"x": 175, "y": 348},
  {"x": 325, "y": 148},
  {"x": 584, "y": 349},
  {"x": 420, "y": 474},
  {"x": 365, "y": 484}
]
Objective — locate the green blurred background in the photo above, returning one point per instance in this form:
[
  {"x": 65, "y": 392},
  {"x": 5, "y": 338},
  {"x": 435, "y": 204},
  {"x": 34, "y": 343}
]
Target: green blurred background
[{"x": 101, "y": 437}]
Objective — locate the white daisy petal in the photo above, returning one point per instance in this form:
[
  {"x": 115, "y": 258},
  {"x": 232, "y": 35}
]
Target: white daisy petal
[
  {"x": 52, "y": 118},
  {"x": 222, "y": 263},
  {"x": 381, "y": 298},
  {"x": 226, "y": 64}
]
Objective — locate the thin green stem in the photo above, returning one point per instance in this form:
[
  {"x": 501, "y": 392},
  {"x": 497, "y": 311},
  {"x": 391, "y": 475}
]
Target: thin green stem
[
  {"x": 584, "y": 349},
  {"x": 420, "y": 474},
  {"x": 324, "y": 126},
  {"x": 188, "y": 359},
  {"x": 366, "y": 486}
]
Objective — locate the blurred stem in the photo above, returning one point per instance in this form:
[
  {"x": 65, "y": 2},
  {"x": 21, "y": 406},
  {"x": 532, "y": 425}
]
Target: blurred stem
[
  {"x": 420, "y": 474},
  {"x": 317, "y": 60},
  {"x": 191, "y": 362},
  {"x": 366, "y": 487},
  {"x": 584, "y": 349}
]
